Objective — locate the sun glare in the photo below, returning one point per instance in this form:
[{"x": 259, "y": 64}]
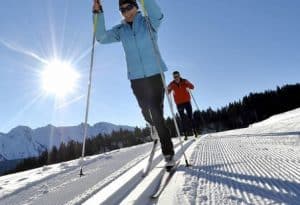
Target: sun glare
[{"x": 59, "y": 78}]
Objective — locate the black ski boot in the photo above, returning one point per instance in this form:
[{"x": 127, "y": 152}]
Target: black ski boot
[{"x": 196, "y": 135}]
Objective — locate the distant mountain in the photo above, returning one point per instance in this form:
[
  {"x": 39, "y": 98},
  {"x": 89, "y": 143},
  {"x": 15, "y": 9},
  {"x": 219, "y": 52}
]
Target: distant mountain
[
  {"x": 1, "y": 146},
  {"x": 2, "y": 158},
  {"x": 23, "y": 142}
]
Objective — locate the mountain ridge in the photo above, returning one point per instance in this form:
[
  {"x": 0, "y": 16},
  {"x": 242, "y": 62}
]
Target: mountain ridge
[{"x": 23, "y": 142}]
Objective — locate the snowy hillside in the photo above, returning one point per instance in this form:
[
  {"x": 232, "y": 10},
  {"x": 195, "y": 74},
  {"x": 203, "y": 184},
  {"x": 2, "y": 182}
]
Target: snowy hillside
[
  {"x": 288, "y": 123},
  {"x": 22, "y": 142},
  {"x": 255, "y": 165}
]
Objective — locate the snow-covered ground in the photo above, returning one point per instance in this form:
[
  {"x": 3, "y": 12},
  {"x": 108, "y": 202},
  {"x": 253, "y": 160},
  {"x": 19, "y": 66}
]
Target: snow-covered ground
[{"x": 255, "y": 165}]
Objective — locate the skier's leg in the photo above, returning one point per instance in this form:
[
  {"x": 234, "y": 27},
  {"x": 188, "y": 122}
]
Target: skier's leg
[
  {"x": 141, "y": 92},
  {"x": 180, "y": 108},
  {"x": 156, "y": 107},
  {"x": 149, "y": 93},
  {"x": 189, "y": 111},
  {"x": 163, "y": 132}
]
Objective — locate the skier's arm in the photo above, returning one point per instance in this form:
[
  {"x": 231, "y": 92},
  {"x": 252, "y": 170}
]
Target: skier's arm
[
  {"x": 189, "y": 84},
  {"x": 103, "y": 35},
  {"x": 154, "y": 13},
  {"x": 170, "y": 88}
]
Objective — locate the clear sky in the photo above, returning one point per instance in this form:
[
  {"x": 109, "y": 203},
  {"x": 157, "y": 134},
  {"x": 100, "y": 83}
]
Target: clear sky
[{"x": 226, "y": 48}]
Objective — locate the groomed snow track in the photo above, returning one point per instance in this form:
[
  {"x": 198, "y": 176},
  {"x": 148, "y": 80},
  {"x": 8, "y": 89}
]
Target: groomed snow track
[
  {"x": 130, "y": 187},
  {"x": 243, "y": 169}
]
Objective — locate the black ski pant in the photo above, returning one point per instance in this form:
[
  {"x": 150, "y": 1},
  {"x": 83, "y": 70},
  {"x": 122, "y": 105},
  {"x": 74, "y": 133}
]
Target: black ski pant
[
  {"x": 189, "y": 111},
  {"x": 149, "y": 93}
]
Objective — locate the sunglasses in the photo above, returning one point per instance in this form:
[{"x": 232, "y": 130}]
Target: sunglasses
[
  {"x": 176, "y": 76},
  {"x": 127, "y": 8}
]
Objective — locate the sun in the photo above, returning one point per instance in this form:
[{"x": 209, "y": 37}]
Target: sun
[{"x": 59, "y": 78}]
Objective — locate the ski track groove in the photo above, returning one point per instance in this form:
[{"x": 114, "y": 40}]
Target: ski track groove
[
  {"x": 244, "y": 170},
  {"x": 37, "y": 190},
  {"x": 132, "y": 182},
  {"x": 281, "y": 171},
  {"x": 273, "y": 186}
]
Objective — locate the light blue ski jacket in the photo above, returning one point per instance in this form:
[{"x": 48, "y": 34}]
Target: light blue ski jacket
[{"x": 141, "y": 57}]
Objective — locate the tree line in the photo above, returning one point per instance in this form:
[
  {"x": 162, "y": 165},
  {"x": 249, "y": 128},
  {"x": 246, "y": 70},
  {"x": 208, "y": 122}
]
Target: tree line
[
  {"x": 252, "y": 108},
  {"x": 95, "y": 145}
]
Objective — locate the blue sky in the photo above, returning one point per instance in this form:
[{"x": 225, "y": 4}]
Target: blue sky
[{"x": 226, "y": 48}]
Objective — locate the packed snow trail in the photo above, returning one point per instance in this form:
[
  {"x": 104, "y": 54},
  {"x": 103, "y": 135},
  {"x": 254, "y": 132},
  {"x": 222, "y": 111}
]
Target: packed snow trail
[
  {"x": 64, "y": 183},
  {"x": 61, "y": 184},
  {"x": 132, "y": 182},
  {"x": 239, "y": 169}
]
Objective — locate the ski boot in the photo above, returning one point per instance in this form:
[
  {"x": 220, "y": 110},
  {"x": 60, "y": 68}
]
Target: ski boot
[
  {"x": 170, "y": 162},
  {"x": 195, "y": 134}
]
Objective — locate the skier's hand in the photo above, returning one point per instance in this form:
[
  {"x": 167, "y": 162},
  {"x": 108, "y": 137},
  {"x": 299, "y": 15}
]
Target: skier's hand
[
  {"x": 97, "y": 7},
  {"x": 169, "y": 89}
]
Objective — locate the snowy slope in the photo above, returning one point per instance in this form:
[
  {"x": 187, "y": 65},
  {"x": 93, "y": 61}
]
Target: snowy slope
[
  {"x": 255, "y": 165},
  {"x": 22, "y": 142}
]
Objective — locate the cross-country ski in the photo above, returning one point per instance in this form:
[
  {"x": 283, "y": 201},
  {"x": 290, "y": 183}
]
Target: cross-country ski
[{"x": 164, "y": 181}]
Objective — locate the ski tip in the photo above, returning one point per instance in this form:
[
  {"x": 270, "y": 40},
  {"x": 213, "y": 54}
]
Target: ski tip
[{"x": 154, "y": 197}]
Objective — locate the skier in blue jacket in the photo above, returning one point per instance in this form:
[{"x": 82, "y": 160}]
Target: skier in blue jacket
[{"x": 143, "y": 61}]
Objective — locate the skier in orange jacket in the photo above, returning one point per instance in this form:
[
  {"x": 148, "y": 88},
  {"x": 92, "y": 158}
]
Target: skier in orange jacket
[{"x": 182, "y": 98}]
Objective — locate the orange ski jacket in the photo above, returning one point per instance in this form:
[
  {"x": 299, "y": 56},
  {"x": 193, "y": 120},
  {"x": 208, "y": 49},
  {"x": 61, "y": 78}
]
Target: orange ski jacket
[{"x": 180, "y": 92}]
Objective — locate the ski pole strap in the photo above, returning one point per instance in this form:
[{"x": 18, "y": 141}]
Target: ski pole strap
[
  {"x": 95, "y": 21},
  {"x": 143, "y": 7}
]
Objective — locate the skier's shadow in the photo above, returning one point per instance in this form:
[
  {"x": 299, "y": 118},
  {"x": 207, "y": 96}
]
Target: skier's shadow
[{"x": 215, "y": 174}]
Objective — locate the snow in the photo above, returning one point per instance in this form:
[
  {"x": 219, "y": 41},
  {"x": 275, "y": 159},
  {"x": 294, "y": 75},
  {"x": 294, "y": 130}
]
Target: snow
[{"x": 255, "y": 165}]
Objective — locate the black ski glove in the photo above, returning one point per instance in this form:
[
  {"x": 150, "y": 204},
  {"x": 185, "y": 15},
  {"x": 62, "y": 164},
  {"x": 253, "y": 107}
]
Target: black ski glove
[{"x": 97, "y": 7}]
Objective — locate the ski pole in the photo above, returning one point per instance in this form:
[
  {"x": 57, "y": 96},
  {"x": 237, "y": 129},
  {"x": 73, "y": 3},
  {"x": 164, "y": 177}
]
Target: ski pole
[
  {"x": 189, "y": 90},
  {"x": 88, "y": 93},
  {"x": 163, "y": 79}
]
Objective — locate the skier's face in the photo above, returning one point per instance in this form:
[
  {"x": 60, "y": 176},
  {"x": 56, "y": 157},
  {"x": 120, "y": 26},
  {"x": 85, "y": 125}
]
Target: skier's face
[
  {"x": 128, "y": 11},
  {"x": 176, "y": 78}
]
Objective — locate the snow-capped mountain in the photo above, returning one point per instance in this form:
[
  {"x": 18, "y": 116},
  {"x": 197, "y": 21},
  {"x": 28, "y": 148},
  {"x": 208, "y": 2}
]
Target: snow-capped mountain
[
  {"x": 22, "y": 142},
  {"x": 19, "y": 143}
]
